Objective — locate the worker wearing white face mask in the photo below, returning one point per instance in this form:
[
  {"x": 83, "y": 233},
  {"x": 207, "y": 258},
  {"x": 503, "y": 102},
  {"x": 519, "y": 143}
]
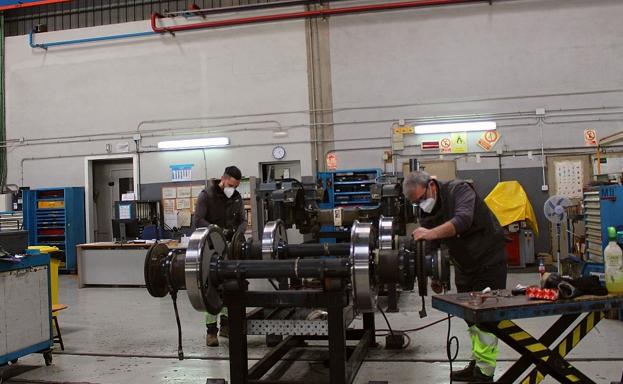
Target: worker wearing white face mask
[
  {"x": 221, "y": 204},
  {"x": 454, "y": 215}
]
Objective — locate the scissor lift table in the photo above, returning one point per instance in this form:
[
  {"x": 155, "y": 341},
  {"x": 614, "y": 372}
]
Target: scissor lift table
[{"x": 496, "y": 315}]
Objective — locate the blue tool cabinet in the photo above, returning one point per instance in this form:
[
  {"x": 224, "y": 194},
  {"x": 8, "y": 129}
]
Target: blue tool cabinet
[
  {"x": 603, "y": 208},
  {"x": 25, "y": 308},
  {"x": 346, "y": 188},
  {"x": 55, "y": 217}
]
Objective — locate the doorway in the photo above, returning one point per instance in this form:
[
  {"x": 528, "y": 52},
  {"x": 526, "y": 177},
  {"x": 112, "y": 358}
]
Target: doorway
[
  {"x": 280, "y": 170},
  {"x": 108, "y": 179}
]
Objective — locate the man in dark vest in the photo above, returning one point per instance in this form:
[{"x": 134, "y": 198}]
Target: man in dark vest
[
  {"x": 454, "y": 215},
  {"x": 221, "y": 204}
]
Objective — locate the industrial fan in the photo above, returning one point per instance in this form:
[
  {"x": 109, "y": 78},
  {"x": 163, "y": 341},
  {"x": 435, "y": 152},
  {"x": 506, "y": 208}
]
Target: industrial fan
[{"x": 555, "y": 211}]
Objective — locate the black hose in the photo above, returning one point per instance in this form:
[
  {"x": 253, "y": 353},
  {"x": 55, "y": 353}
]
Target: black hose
[
  {"x": 387, "y": 321},
  {"x": 449, "y": 341},
  {"x": 180, "y": 351}
]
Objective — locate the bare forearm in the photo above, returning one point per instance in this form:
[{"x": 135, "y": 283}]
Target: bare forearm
[{"x": 444, "y": 231}]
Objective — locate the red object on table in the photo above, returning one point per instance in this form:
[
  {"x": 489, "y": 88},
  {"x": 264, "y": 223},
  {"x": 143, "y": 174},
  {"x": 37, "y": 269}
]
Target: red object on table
[{"x": 542, "y": 293}]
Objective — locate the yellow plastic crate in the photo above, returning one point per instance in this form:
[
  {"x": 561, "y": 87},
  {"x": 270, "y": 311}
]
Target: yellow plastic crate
[{"x": 50, "y": 204}]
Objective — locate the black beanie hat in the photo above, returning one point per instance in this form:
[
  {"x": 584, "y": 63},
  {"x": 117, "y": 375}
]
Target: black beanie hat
[{"x": 233, "y": 171}]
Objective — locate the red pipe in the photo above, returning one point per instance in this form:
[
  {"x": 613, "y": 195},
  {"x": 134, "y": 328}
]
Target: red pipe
[{"x": 302, "y": 14}]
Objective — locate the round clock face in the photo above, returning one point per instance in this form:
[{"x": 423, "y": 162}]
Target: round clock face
[{"x": 279, "y": 152}]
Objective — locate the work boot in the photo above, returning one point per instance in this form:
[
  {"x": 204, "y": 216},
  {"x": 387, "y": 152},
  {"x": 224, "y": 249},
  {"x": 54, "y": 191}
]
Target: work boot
[
  {"x": 480, "y": 377},
  {"x": 465, "y": 374},
  {"x": 224, "y": 332},
  {"x": 212, "y": 336}
]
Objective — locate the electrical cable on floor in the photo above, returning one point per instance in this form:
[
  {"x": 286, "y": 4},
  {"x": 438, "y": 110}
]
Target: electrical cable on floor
[
  {"x": 405, "y": 332},
  {"x": 386, "y": 321},
  {"x": 449, "y": 341}
]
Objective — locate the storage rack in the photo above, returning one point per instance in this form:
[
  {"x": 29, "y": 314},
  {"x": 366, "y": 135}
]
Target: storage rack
[
  {"x": 345, "y": 188},
  {"x": 603, "y": 208},
  {"x": 55, "y": 217}
]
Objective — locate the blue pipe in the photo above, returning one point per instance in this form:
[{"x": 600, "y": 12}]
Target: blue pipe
[{"x": 87, "y": 40}]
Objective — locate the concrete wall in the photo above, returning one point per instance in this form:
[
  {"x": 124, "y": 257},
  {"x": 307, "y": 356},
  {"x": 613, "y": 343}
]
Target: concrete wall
[
  {"x": 478, "y": 59},
  {"x": 503, "y": 60},
  {"x": 104, "y": 90}
]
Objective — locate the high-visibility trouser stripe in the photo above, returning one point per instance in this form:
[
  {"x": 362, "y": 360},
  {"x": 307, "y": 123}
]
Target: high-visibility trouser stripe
[{"x": 567, "y": 344}]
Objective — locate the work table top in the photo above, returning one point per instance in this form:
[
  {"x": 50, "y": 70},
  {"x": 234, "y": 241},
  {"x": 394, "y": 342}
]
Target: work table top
[{"x": 505, "y": 306}]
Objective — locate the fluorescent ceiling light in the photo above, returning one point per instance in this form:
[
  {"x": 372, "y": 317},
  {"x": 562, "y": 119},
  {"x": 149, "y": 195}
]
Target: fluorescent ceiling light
[
  {"x": 194, "y": 143},
  {"x": 455, "y": 127}
]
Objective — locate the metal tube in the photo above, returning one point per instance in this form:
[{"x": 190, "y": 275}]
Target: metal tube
[
  {"x": 322, "y": 12},
  {"x": 296, "y": 268},
  {"x": 291, "y": 251}
]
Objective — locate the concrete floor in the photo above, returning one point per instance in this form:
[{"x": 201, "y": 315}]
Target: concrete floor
[{"x": 123, "y": 335}]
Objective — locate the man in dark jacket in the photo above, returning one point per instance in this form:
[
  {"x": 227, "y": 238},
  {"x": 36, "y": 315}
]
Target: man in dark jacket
[
  {"x": 221, "y": 204},
  {"x": 454, "y": 215}
]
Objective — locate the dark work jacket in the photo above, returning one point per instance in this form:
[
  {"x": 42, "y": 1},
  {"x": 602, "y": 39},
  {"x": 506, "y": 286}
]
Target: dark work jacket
[
  {"x": 482, "y": 244},
  {"x": 213, "y": 207}
]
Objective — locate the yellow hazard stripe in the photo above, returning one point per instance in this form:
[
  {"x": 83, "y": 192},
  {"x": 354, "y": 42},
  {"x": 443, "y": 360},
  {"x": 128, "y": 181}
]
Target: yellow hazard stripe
[
  {"x": 505, "y": 324},
  {"x": 573, "y": 378},
  {"x": 590, "y": 321},
  {"x": 536, "y": 347},
  {"x": 562, "y": 349},
  {"x": 520, "y": 335},
  {"x": 576, "y": 335}
]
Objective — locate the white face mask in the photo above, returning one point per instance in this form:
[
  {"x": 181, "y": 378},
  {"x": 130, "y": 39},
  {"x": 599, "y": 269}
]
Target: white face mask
[
  {"x": 427, "y": 205},
  {"x": 229, "y": 191}
]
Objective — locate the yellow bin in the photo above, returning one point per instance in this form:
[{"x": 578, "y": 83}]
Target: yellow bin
[{"x": 54, "y": 264}]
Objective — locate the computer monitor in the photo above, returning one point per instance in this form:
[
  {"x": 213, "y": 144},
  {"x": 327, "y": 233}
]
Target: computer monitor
[{"x": 123, "y": 229}]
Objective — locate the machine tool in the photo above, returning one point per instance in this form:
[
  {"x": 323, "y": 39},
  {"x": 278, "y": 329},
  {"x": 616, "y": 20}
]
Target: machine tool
[{"x": 216, "y": 273}]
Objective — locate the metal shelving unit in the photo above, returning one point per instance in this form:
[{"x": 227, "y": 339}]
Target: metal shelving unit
[
  {"x": 55, "y": 217},
  {"x": 343, "y": 189}
]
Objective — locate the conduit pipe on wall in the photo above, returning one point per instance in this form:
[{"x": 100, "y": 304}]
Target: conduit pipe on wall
[
  {"x": 324, "y": 12},
  {"x": 86, "y": 40}
]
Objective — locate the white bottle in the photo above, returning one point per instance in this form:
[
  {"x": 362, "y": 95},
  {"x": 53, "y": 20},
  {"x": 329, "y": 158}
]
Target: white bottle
[{"x": 613, "y": 260}]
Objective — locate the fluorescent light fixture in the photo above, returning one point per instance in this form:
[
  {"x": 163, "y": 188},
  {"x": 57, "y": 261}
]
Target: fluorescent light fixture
[
  {"x": 194, "y": 143},
  {"x": 455, "y": 127}
]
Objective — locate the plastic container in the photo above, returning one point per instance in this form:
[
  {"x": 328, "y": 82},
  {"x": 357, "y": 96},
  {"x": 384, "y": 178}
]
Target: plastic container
[
  {"x": 613, "y": 261},
  {"x": 54, "y": 265}
]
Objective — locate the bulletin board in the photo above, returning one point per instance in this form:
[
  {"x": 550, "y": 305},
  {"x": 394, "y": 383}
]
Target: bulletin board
[{"x": 178, "y": 203}]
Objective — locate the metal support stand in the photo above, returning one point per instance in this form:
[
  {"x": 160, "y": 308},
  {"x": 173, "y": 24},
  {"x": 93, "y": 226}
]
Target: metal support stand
[
  {"x": 343, "y": 367},
  {"x": 392, "y": 298}
]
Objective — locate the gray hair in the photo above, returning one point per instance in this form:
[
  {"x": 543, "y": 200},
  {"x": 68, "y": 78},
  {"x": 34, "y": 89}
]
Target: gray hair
[{"x": 413, "y": 179}]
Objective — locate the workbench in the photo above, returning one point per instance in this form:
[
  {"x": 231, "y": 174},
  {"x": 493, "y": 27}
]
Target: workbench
[
  {"x": 25, "y": 308},
  {"x": 495, "y": 315},
  {"x": 109, "y": 263}
]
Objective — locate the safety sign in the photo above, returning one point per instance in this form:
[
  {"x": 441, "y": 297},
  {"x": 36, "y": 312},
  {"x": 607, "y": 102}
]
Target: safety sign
[
  {"x": 590, "y": 137},
  {"x": 488, "y": 140},
  {"x": 445, "y": 145},
  {"x": 331, "y": 161},
  {"x": 459, "y": 142}
]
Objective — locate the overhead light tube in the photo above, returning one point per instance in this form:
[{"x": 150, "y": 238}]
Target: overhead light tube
[
  {"x": 208, "y": 142},
  {"x": 455, "y": 127}
]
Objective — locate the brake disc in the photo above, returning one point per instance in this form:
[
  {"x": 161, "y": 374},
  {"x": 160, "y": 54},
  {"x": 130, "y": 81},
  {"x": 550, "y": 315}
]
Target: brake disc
[
  {"x": 364, "y": 286},
  {"x": 206, "y": 246},
  {"x": 155, "y": 280},
  {"x": 386, "y": 233},
  {"x": 274, "y": 234},
  {"x": 237, "y": 246}
]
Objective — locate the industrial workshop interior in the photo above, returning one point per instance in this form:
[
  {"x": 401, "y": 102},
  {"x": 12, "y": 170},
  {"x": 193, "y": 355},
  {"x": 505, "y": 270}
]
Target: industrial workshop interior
[{"x": 306, "y": 191}]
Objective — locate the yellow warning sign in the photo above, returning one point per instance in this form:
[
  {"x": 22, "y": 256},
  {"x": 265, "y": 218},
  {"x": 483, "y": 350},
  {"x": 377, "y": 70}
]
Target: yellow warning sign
[
  {"x": 404, "y": 130},
  {"x": 459, "y": 142},
  {"x": 488, "y": 140}
]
